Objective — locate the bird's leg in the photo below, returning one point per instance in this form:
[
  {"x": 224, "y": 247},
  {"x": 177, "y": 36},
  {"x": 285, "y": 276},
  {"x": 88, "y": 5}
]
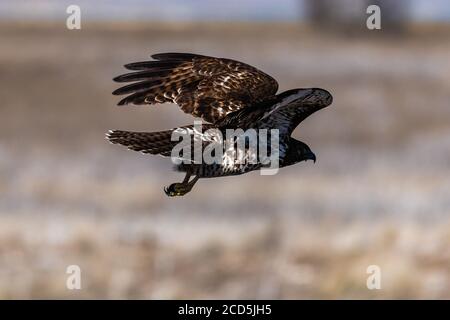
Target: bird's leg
[
  {"x": 188, "y": 175},
  {"x": 180, "y": 189}
]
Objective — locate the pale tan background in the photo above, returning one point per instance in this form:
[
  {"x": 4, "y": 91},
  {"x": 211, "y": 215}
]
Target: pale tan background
[{"x": 378, "y": 194}]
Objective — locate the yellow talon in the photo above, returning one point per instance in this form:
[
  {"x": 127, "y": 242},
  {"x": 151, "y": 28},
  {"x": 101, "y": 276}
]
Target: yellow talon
[
  {"x": 180, "y": 189},
  {"x": 177, "y": 189}
]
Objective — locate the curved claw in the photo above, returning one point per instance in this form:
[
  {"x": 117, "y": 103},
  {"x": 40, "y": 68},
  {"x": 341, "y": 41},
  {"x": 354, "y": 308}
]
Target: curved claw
[
  {"x": 180, "y": 189},
  {"x": 177, "y": 189}
]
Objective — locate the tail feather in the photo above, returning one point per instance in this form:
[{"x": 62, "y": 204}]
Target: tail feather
[
  {"x": 145, "y": 142},
  {"x": 152, "y": 142}
]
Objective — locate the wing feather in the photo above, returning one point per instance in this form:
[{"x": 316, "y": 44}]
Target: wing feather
[
  {"x": 285, "y": 112},
  {"x": 294, "y": 107},
  {"x": 203, "y": 86}
]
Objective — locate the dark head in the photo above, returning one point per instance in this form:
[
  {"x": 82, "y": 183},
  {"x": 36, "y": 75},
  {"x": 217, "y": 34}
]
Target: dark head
[{"x": 298, "y": 151}]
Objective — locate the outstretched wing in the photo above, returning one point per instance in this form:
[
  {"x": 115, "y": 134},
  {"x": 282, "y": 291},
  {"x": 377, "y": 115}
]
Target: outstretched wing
[
  {"x": 203, "y": 86},
  {"x": 295, "y": 106},
  {"x": 284, "y": 113}
]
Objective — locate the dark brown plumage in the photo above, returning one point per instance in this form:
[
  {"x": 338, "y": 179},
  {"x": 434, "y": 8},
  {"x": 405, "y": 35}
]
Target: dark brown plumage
[
  {"x": 206, "y": 87},
  {"x": 228, "y": 94}
]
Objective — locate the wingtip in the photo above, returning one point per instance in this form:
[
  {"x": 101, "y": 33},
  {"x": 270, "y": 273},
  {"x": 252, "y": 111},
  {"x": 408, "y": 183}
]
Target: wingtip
[
  {"x": 181, "y": 56},
  {"x": 160, "y": 56},
  {"x": 128, "y": 102},
  {"x": 117, "y": 92},
  {"x": 118, "y": 78},
  {"x": 155, "y": 55},
  {"x": 130, "y": 66}
]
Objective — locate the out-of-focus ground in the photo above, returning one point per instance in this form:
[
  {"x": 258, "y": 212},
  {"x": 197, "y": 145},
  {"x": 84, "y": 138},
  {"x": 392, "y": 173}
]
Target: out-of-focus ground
[{"x": 378, "y": 195}]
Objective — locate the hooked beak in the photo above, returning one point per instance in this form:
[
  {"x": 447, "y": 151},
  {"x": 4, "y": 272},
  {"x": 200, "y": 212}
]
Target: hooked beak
[{"x": 310, "y": 156}]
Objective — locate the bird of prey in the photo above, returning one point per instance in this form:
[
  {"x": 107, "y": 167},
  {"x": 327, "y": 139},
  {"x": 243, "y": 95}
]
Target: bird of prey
[{"x": 226, "y": 94}]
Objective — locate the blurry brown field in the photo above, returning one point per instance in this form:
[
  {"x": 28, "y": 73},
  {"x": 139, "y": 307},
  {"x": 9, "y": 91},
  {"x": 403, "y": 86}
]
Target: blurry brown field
[{"x": 378, "y": 195}]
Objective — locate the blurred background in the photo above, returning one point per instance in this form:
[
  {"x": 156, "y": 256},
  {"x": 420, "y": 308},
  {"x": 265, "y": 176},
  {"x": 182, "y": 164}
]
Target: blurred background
[{"x": 379, "y": 193}]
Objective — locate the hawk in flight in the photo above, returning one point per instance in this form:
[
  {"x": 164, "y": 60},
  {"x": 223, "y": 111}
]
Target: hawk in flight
[{"x": 226, "y": 94}]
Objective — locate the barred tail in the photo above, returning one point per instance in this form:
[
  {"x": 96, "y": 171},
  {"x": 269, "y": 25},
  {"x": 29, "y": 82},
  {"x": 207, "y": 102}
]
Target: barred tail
[{"x": 145, "y": 142}]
